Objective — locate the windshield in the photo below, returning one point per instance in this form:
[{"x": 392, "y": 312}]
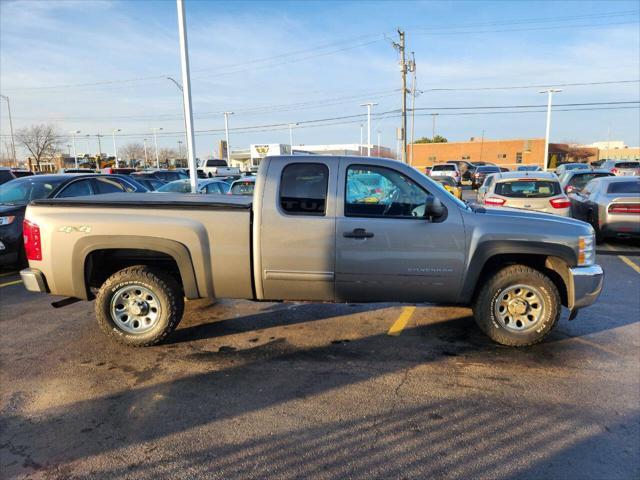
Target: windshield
[
  {"x": 487, "y": 169},
  {"x": 625, "y": 187},
  {"x": 628, "y": 165},
  {"x": 23, "y": 190},
  {"x": 576, "y": 166},
  {"x": 179, "y": 186},
  {"x": 528, "y": 168},
  {"x": 441, "y": 168},
  {"x": 580, "y": 180},
  {"x": 216, "y": 163},
  {"x": 171, "y": 176},
  {"x": 242, "y": 188},
  {"x": 528, "y": 189}
]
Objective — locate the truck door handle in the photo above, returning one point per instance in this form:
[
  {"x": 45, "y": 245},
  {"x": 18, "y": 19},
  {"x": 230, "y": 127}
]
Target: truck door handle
[{"x": 358, "y": 233}]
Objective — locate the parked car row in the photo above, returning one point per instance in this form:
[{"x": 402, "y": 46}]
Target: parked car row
[{"x": 609, "y": 202}]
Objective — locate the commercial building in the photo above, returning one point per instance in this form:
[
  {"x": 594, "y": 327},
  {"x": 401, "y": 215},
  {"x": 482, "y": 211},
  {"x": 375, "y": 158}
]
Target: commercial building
[
  {"x": 507, "y": 153},
  {"x": 616, "y": 150}
]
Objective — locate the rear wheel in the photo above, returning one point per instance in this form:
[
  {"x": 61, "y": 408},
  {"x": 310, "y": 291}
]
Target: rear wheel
[
  {"x": 139, "y": 306},
  {"x": 517, "y": 306}
]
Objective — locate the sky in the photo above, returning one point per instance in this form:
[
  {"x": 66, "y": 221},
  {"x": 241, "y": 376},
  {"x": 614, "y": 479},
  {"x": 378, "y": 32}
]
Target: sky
[{"x": 96, "y": 66}]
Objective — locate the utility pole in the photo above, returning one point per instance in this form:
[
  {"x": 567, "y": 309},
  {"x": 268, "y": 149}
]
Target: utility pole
[
  {"x": 75, "y": 152},
  {"x": 549, "y": 93},
  {"x": 368, "y": 105},
  {"x": 226, "y": 135},
  {"x": 155, "y": 141},
  {"x": 481, "y": 144},
  {"x": 412, "y": 68},
  {"x": 13, "y": 144},
  {"x": 403, "y": 69},
  {"x": 115, "y": 148},
  {"x": 146, "y": 161},
  {"x": 378, "y": 142}
]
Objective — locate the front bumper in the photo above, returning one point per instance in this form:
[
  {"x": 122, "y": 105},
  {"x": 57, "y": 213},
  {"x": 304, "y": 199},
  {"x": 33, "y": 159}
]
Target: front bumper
[
  {"x": 585, "y": 285},
  {"x": 34, "y": 280}
]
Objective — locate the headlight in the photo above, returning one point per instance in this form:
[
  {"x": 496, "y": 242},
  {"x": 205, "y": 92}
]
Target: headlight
[
  {"x": 7, "y": 220},
  {"x": 586, "y": 250}
]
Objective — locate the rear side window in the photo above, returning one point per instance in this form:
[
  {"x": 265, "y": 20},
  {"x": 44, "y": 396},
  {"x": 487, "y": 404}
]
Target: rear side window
[
  {"x": 109, "y": 185},
  {"x": 624, "y": 187},
  {"x": 303, "y": 188},
  {"x": 528, "y": 189},
  {"x": 76, "y": 189}
]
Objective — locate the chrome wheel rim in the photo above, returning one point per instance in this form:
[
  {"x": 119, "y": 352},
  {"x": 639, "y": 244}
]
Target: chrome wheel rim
[
  {"x": 135, "y": 309},
  {"x": 519, "y": 308}
]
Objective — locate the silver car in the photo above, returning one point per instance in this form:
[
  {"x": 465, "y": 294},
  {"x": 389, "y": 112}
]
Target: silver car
[
  {"x": 539, "y": 191},
  {"x": 565, "y": 167},
  {"x": 575, "y": 180},
  {"x": 611, "y": 205},
  {"x": 622, "y": 168}
]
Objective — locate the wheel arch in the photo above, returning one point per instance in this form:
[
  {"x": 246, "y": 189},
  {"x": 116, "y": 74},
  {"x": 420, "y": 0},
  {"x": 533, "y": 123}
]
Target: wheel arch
[
  {"x": 113, "y": 253},
  {"x": 552, "y": 259}
]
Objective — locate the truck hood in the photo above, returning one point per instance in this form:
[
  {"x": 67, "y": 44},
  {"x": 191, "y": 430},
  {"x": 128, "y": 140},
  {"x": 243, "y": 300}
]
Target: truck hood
[{"x": 521, "y": 214}]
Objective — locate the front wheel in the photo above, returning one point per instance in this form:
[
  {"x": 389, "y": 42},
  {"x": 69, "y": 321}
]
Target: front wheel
[
  {"x": 518, "y": 306},
  {"x": 139, "y": 306}
]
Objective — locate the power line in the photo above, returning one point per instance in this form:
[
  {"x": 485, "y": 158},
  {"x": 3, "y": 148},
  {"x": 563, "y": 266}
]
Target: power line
[
  {"x": 516, "y": 87},
  {"x": 554, "y": 27},
  {"x": 487, "y": 107}
]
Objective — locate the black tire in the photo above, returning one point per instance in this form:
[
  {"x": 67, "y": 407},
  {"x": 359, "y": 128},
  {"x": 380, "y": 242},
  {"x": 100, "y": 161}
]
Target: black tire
[
  {"x": 163, "y": 286},
  {"x": 484, "y": 310}
]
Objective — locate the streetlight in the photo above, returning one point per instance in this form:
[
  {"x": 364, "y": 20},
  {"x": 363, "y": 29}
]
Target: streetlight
[
  {"x": 146, "y": 161},
  {"x": 291, "y": 125},
  {"x": 155, "y": 140},
  {"x": 433, "y": 126},
  {"x": 549, "y": 93},
  {"x": 226, "y": 134},
  {"x": 13, "y": 144},
  {"x": 180, "y": 149},
  {"x": 360, "y": 147},
  {"x": 368, "y": 105},
  {"x": 115, "y": 148},
  {"x": 379, "y": 134},
  {"x": 73, "y": 139}
]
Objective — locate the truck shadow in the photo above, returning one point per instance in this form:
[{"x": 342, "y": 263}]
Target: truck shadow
[{"x": 433, "y": 439}]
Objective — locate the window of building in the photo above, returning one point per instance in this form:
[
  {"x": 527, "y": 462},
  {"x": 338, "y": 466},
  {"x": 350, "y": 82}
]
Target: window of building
[
  {"x": 527, "y": 145},
  {"x": 382, "y": 192},
  {"x": 303, "y": 188},
  {"x": 502, "y": 155},
  {"x": 432, "y": 159},
  {"x": 519, "y": 157},
  {"x": 466, "y": 157}
]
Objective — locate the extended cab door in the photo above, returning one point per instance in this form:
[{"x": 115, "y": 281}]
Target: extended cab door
[
  {"x": 297, "y": 229},
  {"x": 386, "y": 250}
]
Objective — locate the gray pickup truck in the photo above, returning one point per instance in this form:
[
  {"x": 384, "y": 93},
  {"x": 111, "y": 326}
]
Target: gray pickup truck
[{"x": 318, "y": 228}]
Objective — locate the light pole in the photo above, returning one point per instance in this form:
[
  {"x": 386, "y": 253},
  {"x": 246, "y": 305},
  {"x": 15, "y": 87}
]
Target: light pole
[
  {"x": 378, "y": 142},
  {"x": 433, "y": 126},
  {"x": 115, "y": 148},
  {"x": 226, "y": 135},
  {"x": 88, "y": 137},
  {"x": 180, "y": 149},
  {"x": 146, "y": 160},
  {"x": 291, "y": 125},
  {"x": 368, "y": 105},
  {"x": 13, "y": 144},
  {"x": 360, "y": 147},
  {"x": 155, "y": 141},
  {"x": 73, "y": 139},
  {"x": 549, "y": 93}
]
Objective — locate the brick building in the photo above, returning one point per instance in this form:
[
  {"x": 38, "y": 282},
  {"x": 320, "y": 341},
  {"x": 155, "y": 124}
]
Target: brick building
[{"x": 505, "y": 153}]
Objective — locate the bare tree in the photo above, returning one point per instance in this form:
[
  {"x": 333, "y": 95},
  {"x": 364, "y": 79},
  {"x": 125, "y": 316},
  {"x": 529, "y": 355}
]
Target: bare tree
[
  {"x": 132, "y": 151},
  {"x": 165, "y": 154},
  {"x": 41, "y": 141}
]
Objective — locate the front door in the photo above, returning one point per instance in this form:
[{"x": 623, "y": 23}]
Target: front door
[{"x": 386, "y": 250}]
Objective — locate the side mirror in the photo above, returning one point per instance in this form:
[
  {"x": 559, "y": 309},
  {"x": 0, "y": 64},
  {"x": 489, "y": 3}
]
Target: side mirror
[{"x": 434, "y": 208}]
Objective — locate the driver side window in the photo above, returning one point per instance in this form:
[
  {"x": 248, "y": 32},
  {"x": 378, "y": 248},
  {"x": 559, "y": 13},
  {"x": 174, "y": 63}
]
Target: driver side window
[{"x": 382, "y": 192}]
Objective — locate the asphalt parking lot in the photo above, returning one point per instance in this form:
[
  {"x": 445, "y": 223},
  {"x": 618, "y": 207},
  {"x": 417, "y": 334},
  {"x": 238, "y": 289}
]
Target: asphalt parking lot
[{"x": 255, "y": 390}]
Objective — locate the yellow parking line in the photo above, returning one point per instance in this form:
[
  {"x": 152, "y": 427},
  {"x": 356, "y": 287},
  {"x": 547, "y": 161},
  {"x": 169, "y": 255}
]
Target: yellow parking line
[
  {"x": 6, "y": 274},
  {"x": 401, "y": 322},
  {"x": 630, "y": 263},
  {"x": 8, "y": 284}
]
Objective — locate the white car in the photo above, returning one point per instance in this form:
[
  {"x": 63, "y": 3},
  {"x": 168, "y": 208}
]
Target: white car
[
  {"x": 218, "y": 168},
  {"x": 538, "y": 191},
  {"x": 448, "y": 170}
]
